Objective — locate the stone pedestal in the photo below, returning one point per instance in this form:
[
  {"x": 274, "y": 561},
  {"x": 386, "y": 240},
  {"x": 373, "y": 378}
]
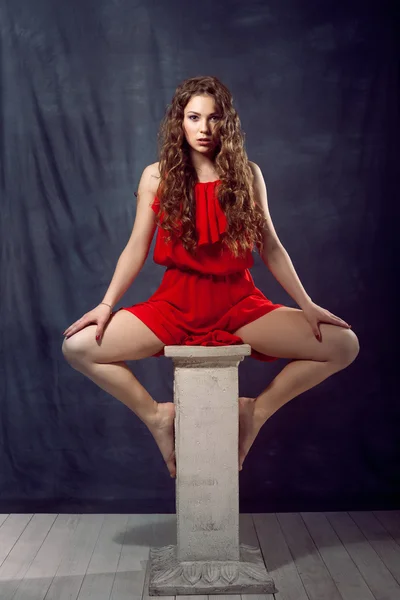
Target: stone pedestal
[{"x": 208, "y": 558}]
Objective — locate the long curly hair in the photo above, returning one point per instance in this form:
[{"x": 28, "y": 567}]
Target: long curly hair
[{"x": 245, "y": 220}]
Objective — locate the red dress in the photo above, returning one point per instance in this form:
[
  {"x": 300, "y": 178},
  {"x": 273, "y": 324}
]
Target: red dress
[{"x": 202, "y": 300}]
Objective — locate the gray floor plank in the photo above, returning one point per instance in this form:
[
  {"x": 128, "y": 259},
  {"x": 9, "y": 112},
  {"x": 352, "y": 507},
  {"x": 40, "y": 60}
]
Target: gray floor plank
[
  {"x": 221, "y": 597},
  {"x": 310, "y": 556},
  {"x": 75, "y": 560},
  {"x": 131, "y": 571},
  {"x": 190, "y": 597},
  {"x": 10, "y": 530},
  {"x": 41, "y": 571},
  {"x": 145, "y": 595},
  {"x": 342, "y": 569},
  {"x": 20, "y": 557},
  {"x": 315, "y": 576},
  {"x": 99, "y": 577},
  {"x": 381, "y": 541},
  {"x": 278, "y": 558},
  {"x": 378, "y": 577},
  {"x": 163, "y": 533},
  {"x": 3, "y": 517},
  {"x": 248, "y": 535},
  {"x": 390, "y": 519},
  {"x": 164, "y": 530}
]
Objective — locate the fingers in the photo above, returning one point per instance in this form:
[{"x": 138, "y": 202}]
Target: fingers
[
  {"x": 333, "y": 320},
  {"x": 101, "y": 323},
  {"x": 97, "y": 315},
  {"x": 315, "y": 328},
  {"x": 77, "y": 326},
  {"x": 337, "y": 321}
]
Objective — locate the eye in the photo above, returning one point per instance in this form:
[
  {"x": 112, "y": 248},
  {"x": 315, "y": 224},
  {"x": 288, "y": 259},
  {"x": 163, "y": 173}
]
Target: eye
[{"x": 195, "y": 117}]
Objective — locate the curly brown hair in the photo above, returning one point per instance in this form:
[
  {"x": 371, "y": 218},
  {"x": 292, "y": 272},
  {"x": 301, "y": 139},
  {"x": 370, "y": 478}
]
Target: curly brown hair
[{"x": 245, "y": 219}]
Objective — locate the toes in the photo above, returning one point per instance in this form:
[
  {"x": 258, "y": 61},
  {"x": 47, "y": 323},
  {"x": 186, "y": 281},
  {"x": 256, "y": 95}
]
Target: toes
[{"x": 171, "y": 464}]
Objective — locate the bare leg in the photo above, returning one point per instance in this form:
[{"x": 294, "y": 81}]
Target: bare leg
[
  {"x": 296, "y": 377},
  {"x": 285, "y": 333},
  {"x": 119, "y": 381},
  {"x": 127, "y": 336}
]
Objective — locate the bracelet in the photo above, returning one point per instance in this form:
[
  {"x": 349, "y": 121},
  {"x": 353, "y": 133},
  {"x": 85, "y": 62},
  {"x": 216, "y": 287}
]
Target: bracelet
[{"x": 106, "y": 304}]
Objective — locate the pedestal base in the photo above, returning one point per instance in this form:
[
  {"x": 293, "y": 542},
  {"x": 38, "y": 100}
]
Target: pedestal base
[{"x": 169, "y": 577}]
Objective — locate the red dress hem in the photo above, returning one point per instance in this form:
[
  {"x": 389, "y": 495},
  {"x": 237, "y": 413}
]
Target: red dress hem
[
  {"x": 147, "y": 316},
  {"x": 194, "y": 309}
]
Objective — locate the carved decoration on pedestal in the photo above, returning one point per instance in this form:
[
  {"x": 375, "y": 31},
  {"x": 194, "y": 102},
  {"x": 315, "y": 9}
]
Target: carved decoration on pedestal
[{"x": 170, "y": 577}]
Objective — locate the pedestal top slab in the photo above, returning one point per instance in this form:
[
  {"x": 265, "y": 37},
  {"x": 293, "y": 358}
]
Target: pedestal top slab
[{"x": 238, "y": 350}]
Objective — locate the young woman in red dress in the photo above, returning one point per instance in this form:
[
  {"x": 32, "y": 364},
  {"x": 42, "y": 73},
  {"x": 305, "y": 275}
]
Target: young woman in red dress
[{"x": 209, "y": 205}]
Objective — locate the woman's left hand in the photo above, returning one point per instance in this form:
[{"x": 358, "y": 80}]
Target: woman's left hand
[{"x": 316, "y": 314}]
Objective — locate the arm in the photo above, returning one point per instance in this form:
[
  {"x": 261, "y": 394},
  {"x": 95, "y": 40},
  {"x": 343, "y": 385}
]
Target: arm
[
  {"x": 274, "y": 255},
  {"x": 134, "y": 255}
]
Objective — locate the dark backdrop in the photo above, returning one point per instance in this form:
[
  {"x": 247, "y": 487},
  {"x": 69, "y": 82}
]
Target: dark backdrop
[{"x": 84, "y": 87}]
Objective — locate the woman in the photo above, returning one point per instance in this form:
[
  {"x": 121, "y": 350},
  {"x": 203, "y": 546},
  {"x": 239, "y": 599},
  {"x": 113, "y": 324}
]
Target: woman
[{"x": 210, "y": 205}]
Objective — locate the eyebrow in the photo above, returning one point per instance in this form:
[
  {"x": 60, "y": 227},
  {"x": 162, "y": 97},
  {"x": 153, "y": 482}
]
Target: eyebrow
[{"x": 198, "y": 114}]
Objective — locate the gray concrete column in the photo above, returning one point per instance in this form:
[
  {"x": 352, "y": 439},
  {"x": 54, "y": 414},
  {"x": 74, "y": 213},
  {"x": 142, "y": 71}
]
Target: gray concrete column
[{"x": 208, "y": 558}]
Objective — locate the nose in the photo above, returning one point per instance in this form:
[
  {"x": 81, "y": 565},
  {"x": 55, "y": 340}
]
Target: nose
[{"x": 204, "y": 128}]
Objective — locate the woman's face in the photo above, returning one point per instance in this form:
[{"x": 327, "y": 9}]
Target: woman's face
[{"x": 201, "y": 115}]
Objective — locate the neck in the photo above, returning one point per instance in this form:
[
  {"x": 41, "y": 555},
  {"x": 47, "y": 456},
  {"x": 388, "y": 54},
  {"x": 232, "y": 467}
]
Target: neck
[{"x": 203, "y": 165}]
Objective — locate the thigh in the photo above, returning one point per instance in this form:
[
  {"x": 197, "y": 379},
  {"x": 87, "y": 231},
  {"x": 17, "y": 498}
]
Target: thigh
[
  {"x": 285, "y": 333},
  {"x": 125, "y": 337}
]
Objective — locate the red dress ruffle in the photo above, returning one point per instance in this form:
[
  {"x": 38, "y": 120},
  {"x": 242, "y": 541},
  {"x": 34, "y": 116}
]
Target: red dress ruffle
[{"x": 203, "y": 300}]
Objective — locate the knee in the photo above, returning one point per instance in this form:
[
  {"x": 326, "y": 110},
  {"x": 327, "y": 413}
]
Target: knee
[
  {"x": 73, "y": 349},
  {"x": 347, "y": 347}
]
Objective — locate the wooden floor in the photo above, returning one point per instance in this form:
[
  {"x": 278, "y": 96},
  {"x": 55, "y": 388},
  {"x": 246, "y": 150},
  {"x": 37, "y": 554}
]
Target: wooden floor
[{"x": 316, "y": 556}]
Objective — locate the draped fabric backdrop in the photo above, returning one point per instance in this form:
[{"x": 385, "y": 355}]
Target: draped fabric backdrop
[{"x": 84, "y": 86}]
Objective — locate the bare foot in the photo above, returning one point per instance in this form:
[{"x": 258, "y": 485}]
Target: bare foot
[
  {"x": 250, "y": 423},
  {"x": 162, "y": 429}
]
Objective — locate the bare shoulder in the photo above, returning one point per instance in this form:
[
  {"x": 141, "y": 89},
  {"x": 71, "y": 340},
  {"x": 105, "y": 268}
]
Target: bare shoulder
[
  {"x": 150, "y": 178},
  {"x": 255, "y": 170},
  {"x": 271, "y": 239},
  {"x": 148, "y": 186},
  {"x": 259, "y": 185},
  {"x": 145, "y": 218},
  {"x": 154, "y": 170}
]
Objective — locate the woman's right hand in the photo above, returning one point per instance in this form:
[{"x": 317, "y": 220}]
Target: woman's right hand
[{"x": 99, "y": 315}]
